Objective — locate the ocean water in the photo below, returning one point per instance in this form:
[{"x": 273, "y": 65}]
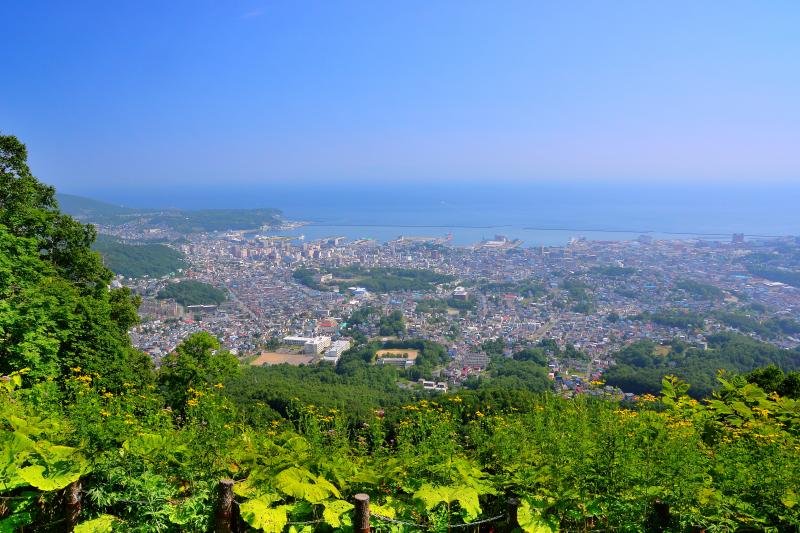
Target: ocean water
[{"x": 539, "y": 214}]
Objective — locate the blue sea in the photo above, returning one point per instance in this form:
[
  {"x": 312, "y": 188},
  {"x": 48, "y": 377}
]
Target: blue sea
[{"x": 547, "y": 214}]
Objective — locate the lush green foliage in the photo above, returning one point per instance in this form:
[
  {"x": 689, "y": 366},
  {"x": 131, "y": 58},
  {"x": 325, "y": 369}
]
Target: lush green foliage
[
  {"x": 193, "y": 292},
  {"x": 673, "y": 318},
  {"x": 699, "y": 291},
  {"x": 613, "y": 271},
  {"x": 767, "y": 329},
  {"x": 577, "y": 464},
  {"x": 377, "y": 279},
  {"x": 790, "y": 277},
  {"x": 773, "y": 379},
  {"x": 640, "y": 369},
  {"x": 526, "y": 288},
  {"x": 392, "y": 324},
  {"x": 56, "y": 311},
  {"x": 138, "y": 260}
]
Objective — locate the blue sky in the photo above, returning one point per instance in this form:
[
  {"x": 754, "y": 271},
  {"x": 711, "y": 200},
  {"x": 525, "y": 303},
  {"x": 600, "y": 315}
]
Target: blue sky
[{"x": 139, "y": 94}]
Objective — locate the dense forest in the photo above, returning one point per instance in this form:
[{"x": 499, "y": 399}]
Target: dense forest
[
  {"x": 376, "y": 279},
  {"x": 138, "y": 260},
  {"x": 641, "y": 367},
  {"x": 699, "y": 291},
  {"x": 193, "y": 292},
  {"x": 93, "y": 437},
  {"x": 783, "y": 267}
]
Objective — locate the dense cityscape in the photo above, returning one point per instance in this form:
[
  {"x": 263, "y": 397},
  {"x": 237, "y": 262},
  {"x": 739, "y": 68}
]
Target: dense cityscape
[{"x": 593, "y": 297}]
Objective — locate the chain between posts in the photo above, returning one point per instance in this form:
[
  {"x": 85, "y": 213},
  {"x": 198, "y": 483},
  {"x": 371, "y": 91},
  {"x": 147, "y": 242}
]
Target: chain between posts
[{"x": 425, "y": 526}]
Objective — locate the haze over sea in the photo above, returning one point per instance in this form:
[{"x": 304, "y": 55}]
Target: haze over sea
[{"x": 539, "y": 214}]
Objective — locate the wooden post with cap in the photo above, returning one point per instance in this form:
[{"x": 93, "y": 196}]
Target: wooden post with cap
[
  {"x": 223, "y": 515},
  {"x": 511, "y": 510},
  {"x": 361, "y": 520},
  {"x": 72, "y": 505}
]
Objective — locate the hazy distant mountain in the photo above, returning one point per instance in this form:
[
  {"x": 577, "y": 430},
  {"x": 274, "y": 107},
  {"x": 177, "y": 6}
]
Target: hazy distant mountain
[
  {"x": 96, "y": 211},
  {"x": 186, "y": 221}
]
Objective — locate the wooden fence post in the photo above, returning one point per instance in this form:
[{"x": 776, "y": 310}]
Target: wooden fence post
[
  {"x": 511, "y": 511},
  {"x": 223, "y": 517},
  {"x": 361, "y": 520},
  {"x": 660, "y": 517},
  {"x": 72, "y": 505}
]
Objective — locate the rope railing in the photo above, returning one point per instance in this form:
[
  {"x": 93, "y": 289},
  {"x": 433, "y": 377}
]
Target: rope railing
[
  {"x": 227, "y": 516},
  {"x": 428, "y": 526}
]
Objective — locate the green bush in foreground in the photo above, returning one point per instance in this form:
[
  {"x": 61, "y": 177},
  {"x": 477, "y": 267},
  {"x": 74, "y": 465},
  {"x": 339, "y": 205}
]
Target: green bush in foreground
[{"x": 577, "y": 465}]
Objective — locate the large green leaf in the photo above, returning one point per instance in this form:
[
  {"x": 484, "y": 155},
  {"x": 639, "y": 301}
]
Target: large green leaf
[
  {"x": 261, "y": 516},
  {"x": 102, "y": 524},
  {"x": 333, "y": 511},
  {"x": 467, "y": 498},
  {"x": 48, "y": 479},
  {"x": 302, "y": 484},
  {"x": 532, "y": 521}
]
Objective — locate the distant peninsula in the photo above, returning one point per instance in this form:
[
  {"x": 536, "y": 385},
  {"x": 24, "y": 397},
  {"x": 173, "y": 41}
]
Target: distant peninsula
[{"x": 100, "y": 213}]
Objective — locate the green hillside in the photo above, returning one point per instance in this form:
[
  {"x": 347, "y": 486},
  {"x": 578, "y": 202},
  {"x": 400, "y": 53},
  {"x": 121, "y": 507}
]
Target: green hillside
[
  {"x": 138, "y": 260},
  {"x": 180, "y": 220},
  {"x": 193, "y": 292},
  {"x": 640, "y": 370}
]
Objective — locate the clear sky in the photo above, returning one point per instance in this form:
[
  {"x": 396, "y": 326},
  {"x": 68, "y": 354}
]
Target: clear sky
[{"x": 224, "y": 92}]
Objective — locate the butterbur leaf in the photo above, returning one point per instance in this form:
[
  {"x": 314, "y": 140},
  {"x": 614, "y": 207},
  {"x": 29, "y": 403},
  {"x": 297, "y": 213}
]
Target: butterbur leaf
[
  {"x": 102, "y": 524},
  {"x": 47, "y": 480},
  {"x": 531, "y": 521},
  {"x": 302, "y": 484},
  {"x": 333, "y": 511},
  {"x": 467, "y": 498},
  {"x": 260, "y": 515},
  {"x": 300, "y": 510}
]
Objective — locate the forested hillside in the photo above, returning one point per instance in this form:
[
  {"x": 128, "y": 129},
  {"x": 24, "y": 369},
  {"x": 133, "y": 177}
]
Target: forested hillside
[
  {"x": 180, "y": 220},
  {"x": 640, "y": 369},
  {"x": 193, "y": 292},
  {"x": 138, "y": 260},
  {"x": 92, "y": 437}
]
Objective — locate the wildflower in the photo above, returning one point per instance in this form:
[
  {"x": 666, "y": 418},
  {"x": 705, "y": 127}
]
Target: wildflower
[
  {"x": 456, "y": 399},
  {"x": 103, "y": 412},
  {"x": 219, "y": 386},
  {"x": 76, "y": 369},
  {"x": 193, "y": 402}
]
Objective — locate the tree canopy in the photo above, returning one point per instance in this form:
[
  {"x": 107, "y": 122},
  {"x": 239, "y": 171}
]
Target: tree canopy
[{"x": 56, "y": 310}]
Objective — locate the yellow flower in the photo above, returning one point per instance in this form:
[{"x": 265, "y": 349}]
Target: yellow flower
[
  {"x": 76, "y": 369},
  {"x": 105, "y": 413},
  {"x": 219, "y": 386},
  {"x": 192, "y": 402}
]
